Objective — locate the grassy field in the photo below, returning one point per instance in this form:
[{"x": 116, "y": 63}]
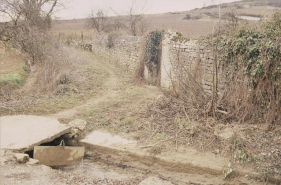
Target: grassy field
[{"x": 203, "y": 25}]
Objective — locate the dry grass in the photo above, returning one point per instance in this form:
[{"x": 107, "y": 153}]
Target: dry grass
[
  {"x": 85, "y": 80},
  {"x": 10, "y": 61}
]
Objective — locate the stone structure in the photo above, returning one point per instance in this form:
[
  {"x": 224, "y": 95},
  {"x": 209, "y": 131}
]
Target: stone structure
[
  {"x": 122, "y": 50},
  {"x": 183, "y": 58},
  {"x": 194, "y": 57}
]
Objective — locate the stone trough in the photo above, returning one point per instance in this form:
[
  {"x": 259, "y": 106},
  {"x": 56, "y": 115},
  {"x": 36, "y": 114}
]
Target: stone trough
[{"x": 25, "y": 133}]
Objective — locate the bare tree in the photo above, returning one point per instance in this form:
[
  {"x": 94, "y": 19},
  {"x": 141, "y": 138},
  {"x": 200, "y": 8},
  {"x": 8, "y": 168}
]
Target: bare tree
[
  {"x": 143, "y": 25},
  {"x": 232, "y": 19},
  {"x": 30, "y": 11},
  {"x": 27, "y": 24},
  {"x": 98, "y": 20},
  {"x": 118, "y": 22},
  {"x": 135, "y": 20}
]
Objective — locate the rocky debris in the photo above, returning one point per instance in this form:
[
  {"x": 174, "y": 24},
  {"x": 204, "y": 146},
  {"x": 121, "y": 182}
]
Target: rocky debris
[
  {"x": 21, "y": 158},
  {"x": 32, "y": 161},
  {"x": 6, "y": 157},
  {"x": 2, "y": 153},
  {"x": 227, "y": 133},
  {"x": 78, "y": 123},
  {"x": 2, "y": 159}
]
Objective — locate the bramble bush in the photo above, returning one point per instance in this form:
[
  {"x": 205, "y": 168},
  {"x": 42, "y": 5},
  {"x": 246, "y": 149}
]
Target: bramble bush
[{"x": 251, "y": 60}]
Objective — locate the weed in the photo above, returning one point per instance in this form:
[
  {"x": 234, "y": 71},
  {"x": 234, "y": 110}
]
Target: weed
[
  {"x": 161, "y": 136},
  {"x": 14, "y": 79},
  {"x": 181, "y": 123},
  {"x": 128, "y": 121},
  {"x": 242, "y": 156},
  {"x": 227, "y": 172}
]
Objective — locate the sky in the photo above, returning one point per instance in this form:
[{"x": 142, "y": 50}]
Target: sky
[{"x": 82, "y": 8}]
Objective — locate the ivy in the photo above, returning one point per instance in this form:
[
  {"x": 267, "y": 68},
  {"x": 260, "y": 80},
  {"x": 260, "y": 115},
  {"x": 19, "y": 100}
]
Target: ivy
[
  {"x": 251, "y": 60},
  {"x": 153, "y": 40},
  {"x": 257, "y": 49}
]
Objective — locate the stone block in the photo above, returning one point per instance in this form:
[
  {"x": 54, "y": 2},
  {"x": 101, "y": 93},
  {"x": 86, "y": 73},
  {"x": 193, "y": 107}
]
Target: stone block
[
  {"x": 78, "y": 123},
  {"x": 32, "y": 161},
  {"x": 21, "y": 158}
]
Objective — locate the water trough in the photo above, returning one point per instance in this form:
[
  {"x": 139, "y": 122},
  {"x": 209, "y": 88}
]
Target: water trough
[{"x": 28, "y": 133}]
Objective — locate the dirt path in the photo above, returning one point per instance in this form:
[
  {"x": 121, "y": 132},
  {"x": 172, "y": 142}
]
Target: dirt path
[{"x": 108, "y": 92}]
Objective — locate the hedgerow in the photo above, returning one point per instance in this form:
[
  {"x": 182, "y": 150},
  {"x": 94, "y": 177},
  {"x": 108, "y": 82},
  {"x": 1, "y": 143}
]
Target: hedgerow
[{"x": 251, "y": 60}]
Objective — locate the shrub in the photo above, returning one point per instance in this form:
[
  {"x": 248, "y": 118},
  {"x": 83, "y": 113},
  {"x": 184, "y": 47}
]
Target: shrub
[
  {"x": 187, "y": 16},
  {"x": 15, "y": 79},
  {"x": 251, "y": 58}
]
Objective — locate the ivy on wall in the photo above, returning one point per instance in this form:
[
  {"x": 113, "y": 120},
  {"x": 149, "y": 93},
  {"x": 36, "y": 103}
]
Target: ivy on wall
[
  {"x": 256, "y": 51},
  {"x": 153, "y": 40}
]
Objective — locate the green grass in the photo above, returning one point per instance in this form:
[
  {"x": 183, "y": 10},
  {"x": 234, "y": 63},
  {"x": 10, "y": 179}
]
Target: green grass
[{"x": 15, "y": 79}]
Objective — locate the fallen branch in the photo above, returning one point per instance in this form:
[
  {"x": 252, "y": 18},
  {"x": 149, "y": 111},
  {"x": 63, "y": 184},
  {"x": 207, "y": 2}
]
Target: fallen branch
[{"x": 222, "y": 112}]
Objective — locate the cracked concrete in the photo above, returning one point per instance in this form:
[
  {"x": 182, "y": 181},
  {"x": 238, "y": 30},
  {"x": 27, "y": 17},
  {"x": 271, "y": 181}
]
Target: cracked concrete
[{"x": 22, "y": 133}]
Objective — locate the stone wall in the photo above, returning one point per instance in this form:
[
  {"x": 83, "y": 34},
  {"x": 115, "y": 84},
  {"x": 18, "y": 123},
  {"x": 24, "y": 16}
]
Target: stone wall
[
  {"x": 123, "y": 50},
  {"x": 196, "y": 58},
  {"x": 191, "y": 57}
]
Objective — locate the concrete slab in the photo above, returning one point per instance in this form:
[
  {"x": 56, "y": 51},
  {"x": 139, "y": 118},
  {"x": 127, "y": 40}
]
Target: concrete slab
[
  {"x": 106, "y": 139},
  {"x": 22, "y": 133},
  {"x": 186, "y": 160}
]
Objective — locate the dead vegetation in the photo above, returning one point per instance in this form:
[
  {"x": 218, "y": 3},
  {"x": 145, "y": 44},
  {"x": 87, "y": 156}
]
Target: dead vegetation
[{"x": 44, "y": 94}]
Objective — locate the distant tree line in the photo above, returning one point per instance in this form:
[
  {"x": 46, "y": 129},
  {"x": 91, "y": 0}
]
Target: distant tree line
[{"x": 133, "y": 21}]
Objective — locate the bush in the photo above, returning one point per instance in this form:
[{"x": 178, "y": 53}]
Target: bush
[
  {"x": 187, "y": 16},
  {"x": 251, "y": 60}
]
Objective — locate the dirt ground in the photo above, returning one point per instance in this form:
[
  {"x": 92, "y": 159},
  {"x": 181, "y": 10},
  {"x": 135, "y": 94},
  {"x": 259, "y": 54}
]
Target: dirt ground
[
  {"x": 108, "y": 99},
  {"x": 106, "y": 173}
]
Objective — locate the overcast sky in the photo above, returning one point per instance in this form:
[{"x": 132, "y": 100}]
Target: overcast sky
[{"x": 82, "y": 8}]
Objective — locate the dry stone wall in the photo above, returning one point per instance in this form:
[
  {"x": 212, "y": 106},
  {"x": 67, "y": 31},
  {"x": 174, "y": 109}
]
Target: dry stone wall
[
  {"x": 124, "y": 50},
  {"x": 195, "y": 58},
  {"x": 191, "y": 57}
]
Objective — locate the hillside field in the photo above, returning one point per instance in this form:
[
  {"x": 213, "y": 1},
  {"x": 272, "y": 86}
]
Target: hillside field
[{"x": 201, "y": 23}]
